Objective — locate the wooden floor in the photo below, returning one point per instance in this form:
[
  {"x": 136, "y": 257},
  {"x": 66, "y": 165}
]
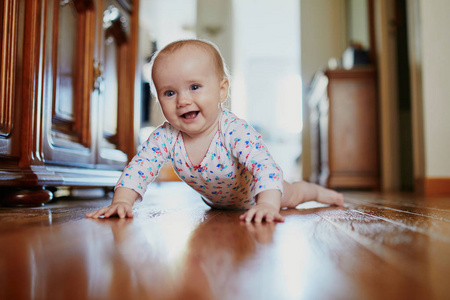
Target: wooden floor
[{"x": 376, "y": 247}]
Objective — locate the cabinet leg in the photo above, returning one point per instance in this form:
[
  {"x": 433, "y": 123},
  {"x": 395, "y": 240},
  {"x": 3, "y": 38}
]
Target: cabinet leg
[{"x": 24, "y": 196}]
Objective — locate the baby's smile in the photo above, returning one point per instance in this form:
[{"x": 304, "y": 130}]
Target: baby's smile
[{"x": 190, "y": 115}]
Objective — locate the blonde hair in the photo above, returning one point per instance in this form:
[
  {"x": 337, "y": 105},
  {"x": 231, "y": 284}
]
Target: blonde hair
[{"x": 209, "y": 47}]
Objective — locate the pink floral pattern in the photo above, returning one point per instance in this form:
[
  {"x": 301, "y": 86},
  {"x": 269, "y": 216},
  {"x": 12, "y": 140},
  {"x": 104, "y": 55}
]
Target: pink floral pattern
[{"x": 236, "y": 167}]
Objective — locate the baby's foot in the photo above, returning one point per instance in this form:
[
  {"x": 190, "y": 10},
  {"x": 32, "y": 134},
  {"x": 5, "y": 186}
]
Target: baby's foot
[{"x": 329, "y": 197}]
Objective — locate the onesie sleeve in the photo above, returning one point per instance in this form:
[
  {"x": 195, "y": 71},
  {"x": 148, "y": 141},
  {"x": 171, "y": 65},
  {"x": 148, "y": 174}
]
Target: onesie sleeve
[
  {"x": 145, "y": 165},
  {"x": 246, "y": 144}
]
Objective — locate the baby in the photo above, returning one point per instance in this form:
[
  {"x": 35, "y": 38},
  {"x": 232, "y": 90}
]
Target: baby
[{"x": 219, "y": 155}]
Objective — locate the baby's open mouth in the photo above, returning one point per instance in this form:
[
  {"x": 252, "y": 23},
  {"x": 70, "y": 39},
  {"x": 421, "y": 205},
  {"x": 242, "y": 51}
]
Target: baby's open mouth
[{"x": 190, "y": 115}]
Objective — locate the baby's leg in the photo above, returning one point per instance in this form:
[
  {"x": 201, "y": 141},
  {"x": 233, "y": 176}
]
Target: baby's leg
[{"x": 302, "y": 191}]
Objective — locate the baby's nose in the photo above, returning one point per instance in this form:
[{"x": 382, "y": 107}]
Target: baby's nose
[{"x": 183, "y": 99}]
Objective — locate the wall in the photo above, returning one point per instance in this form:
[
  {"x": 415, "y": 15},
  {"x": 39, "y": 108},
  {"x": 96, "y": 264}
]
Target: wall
[
  {"x": 435, "y": 45},
  {"x": 165, "y": 21},
  {"x": 215, "y": 23},
  {"x": 323, "y": 35},
  {"x": 358, "y": 25}
]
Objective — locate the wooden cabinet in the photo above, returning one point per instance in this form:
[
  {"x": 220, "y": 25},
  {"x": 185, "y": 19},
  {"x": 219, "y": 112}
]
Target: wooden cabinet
[
  {"x": 68, "y": 94},
  {"x": 345, "y": 130}
]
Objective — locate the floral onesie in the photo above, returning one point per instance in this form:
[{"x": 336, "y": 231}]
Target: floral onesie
[{"x": 235, "y": 168}]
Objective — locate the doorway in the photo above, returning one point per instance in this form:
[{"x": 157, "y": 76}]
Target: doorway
[
  {"x": 404, "y": 100},
  {"x": 267, "y": 87}
]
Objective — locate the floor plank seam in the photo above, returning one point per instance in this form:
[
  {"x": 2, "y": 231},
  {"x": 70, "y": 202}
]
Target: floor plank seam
[
  {"x": 403, "y": 204},
  {"x": 396, "y": 260},
  {"x": 399, "y": 210},
  {"x": 414, "y": 229}
]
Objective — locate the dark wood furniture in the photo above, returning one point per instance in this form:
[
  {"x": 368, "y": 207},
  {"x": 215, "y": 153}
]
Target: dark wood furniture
[
  {"x": 344, "y": 134},
  {"x": 68, "y": 90}
]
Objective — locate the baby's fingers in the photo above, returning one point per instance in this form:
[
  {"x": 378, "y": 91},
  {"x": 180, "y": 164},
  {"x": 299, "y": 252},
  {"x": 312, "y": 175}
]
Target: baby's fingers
[
  {"x": 269, "y": 218},
  {"x": 97, "y": 214},
  {"x": 260, "y": 215},
  {"x": 124, "y": 212},
  {"x": 130, "y": 213},
  {"x": 121, "y": 211},
  {"x": 278, "y": 218},
  {"x": 112, "y": 210},
  {"x": 248, "y": 216}
]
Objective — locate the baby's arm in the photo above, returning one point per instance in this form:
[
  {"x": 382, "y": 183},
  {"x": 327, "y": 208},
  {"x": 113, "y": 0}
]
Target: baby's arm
[
  {"x": 140, "y": 172},
  {"x": 121, "y": 205},
  {"x": 267, "y": 208}
]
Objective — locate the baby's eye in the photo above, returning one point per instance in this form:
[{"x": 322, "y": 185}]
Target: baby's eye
[
  {"x": 169, "y": 93},
  {"x": 195, "y": 87}
]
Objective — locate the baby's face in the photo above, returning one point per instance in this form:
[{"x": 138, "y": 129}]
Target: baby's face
[{"x": 189, "y": 90}]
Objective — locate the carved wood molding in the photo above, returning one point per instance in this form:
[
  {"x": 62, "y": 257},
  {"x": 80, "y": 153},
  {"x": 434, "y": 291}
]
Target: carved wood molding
[
  {"x": 32, "y": 86},
  {"x": 9, "y": 11}
]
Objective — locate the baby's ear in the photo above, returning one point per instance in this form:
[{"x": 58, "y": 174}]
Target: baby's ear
[{"x": 224, "y": 85}]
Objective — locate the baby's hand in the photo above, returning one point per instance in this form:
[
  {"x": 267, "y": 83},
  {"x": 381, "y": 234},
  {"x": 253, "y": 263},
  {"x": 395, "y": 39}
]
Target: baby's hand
[
  {"x": 121, "y": 209},
  {"x": 262, "y": 211}
]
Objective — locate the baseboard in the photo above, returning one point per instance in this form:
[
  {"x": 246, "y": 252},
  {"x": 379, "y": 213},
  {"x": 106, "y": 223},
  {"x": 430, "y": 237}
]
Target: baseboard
[{"x": 433, "y": 186}]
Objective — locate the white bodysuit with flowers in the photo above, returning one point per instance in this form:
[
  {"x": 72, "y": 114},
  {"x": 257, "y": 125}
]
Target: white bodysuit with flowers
[{"x": 236, "y": 167}]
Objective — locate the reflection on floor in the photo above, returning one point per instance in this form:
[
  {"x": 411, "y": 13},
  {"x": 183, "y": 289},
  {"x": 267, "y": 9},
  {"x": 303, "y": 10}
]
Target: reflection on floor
[{"x": 376, "y": 247}]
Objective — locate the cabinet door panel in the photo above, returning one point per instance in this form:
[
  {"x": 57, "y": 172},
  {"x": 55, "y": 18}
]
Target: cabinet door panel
[
  {"x": 115, "y": 105},
  {"x": 70, "y": 55},
  {"x": 66, "y": 79},
  {"x": 111, "y": 92},
  {"x": 352, "y": 129}
]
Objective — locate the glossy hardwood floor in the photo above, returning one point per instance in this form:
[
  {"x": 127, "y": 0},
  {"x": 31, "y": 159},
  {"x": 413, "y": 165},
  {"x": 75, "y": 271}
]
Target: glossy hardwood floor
[{"x": 392, "y": 246}]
